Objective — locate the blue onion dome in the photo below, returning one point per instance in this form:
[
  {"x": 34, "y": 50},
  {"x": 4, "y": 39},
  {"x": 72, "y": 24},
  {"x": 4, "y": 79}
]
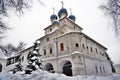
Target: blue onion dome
[
  {"x": 63, "y": 10},
  {"x": 56, "y": 23},
  {"x": 53, "y": 17},
  {"x": 72, "y": 17}
]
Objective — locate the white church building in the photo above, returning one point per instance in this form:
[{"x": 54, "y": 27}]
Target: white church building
[{"x": 66, "y": 49}]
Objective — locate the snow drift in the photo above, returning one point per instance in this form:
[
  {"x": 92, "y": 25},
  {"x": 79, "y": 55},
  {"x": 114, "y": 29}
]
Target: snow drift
[{"x": 43, "y": 75}]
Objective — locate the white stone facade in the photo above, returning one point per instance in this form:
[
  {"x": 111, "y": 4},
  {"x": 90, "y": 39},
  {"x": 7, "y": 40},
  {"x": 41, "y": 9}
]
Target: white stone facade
[
  {"x": 66, "y": 49},
  {"x": 117, "y": 68},
  {"x": 85, "y": 55}
]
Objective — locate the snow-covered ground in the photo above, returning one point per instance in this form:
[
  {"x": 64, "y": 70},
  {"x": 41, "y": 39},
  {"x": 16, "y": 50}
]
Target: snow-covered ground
[{"x": 43, "y": 75}]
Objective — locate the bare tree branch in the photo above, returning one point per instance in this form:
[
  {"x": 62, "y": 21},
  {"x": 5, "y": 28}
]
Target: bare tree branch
[
  {"x": 112, "y": 10},
  {"x": 19, "y": 6},
  {"x": 9, "y": 48}
]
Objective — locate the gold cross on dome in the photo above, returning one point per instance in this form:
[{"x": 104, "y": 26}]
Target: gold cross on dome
[
  {"x": 62, "y": 4},
  {"x": 53, "y": 10},
  {"x": 70, "y": 11}
]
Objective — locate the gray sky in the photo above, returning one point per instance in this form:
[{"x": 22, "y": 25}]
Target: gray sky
[{"x": 29, "y": 27}]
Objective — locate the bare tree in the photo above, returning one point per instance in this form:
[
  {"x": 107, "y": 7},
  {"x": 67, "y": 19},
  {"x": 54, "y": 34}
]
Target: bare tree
[
  {"x": 3, "y": 28},
  {"x": 18, "y": 6},
  {"x": 21, "y": 46},
  {"x": 9, "y": 48},
  {"x": 112, "y": 10}
]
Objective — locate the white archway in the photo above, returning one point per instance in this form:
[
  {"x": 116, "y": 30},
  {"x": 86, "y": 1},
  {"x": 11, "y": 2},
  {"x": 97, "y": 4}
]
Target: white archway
[{"x": 66, "y": 67}]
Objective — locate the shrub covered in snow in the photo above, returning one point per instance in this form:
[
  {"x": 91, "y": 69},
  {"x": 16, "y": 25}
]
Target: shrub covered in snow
[{"x": 34, "y": 61}]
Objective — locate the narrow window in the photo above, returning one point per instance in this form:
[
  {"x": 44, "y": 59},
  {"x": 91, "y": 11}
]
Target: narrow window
[
  {"x": 77, "y": 45},
  {"x": 103, "y": 69},
  {"x": 87, "y": 48},
  {"x": 96, "y": 69},
  {"x": 44, "y": 52},
  {"x": 96, "y": 50},
  {"x": 50, "y": 50},
  {"x": 91, "y": 49},
  {"x": 50, "y": 29},
  {"x": 62, "y": 47},
  {"x": 102, "y": 54},
  {"x": 83, "y": 46},
  {"x": 47, "y": 39}
]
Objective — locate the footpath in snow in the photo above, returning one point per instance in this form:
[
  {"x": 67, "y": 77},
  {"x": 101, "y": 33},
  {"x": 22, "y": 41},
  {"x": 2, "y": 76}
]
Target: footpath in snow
[{"x": 43, "y": 75}]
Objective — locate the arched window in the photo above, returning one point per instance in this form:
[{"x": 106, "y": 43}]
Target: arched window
[
  {"x": 77, "y": 45},
  {"x": 50, "y": 50}
]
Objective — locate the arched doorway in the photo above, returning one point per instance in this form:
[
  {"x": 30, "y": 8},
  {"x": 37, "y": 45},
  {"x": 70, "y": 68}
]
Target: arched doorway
[
  {"x": 0, "y": 67},
  {"x": 66, "y": 67},
  {"x": 49, "y": 67}
]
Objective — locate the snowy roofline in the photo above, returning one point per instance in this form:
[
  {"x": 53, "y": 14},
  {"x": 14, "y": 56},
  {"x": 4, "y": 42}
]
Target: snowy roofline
[
  {"x": 85, "y": 36},
  {"x": 27, "y": 48},
  {"x": 94, "y": 41}
]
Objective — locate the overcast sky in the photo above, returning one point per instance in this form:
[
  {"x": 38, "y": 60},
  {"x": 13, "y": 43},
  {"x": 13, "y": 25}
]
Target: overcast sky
[{"x": 29, "y": 27}]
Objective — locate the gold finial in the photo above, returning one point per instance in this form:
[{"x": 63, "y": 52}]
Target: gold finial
[
  {"x": 62, "y": 4},
  {"x": 70, "y": 11},
  {"x": 53, "y": 10}
]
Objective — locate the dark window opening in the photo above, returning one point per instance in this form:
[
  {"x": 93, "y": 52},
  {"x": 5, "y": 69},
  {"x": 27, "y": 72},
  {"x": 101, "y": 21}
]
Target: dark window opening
[
  {"x": 96, "y": 50},
  {"x": 47, "y": 39},
  {"x": 77, "y": 45},
  {"x": 62, "y": 47},
  {"x": 91, "y": 49},
  {"x": 87, "y": 48},
  {"x": 83, "y": 46},
  {"x": 12, "y": 60},
  {"x": 96, "y": 69},
  {"x": 102, "y": 54},
  {"x": 100, "y": 70},
  {"x": 0, "y": 67},
  {"x": 50, "y": 29},
  {"x": 44, "y": 52},
  {"x": 50, "y": 50}
]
